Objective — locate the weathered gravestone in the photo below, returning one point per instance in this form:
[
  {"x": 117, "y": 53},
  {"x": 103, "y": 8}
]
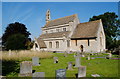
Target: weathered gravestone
[
  {"x": 77, "y": 61},
  {"x": 82, "y": 71},
  {"x": 39, "y": 75},
  {"x": 55, "y": 59},
  {"x": 35, "y": 61},
  {"x": 70, "y": 66},
  {"x": 60, "y": 74},
  {"x": 65, "y": 54},
  {"x": 26, "y": 68}
]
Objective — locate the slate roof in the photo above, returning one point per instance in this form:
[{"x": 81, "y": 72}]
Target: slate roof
[
  {"x": 41, "y": 43},
  {"x": 86, "y": 30},
  {"x": 60, "y": 21},
  {"x": 54, "y": 35}
]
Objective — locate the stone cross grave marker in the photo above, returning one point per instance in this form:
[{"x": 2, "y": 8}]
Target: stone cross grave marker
[
  {"x": 25, "y": 68},
  {"x": 35, "y": 61},
  {"x": 70, "y": 66},
  {"x": 55, "y": 59},
  {"x": 60, "y": 74},
  {"x": 38, "y": 75},
  {"x": 82, "y": 71},
  {"x": 77, "y": 61}
]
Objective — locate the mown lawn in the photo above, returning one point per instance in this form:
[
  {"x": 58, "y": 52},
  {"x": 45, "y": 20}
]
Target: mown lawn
[{"x": 101, "y": 66}]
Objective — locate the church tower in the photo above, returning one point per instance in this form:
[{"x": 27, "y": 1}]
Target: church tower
[{"x": 47, "y": 16}]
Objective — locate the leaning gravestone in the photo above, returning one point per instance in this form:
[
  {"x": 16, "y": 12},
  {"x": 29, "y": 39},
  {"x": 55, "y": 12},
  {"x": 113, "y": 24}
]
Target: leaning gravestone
[
  {"x": 35, "y": 61},
  {"x": 70, "y": 66},
  {"x": 39, "y": 75},
  {"x": 77, "y": 61},
  {"x": 82, "y": 71},
  {"x": 55, "y": 59},
  {"x": 26, "y": 68},
  {"x": 60, "y": 74}
]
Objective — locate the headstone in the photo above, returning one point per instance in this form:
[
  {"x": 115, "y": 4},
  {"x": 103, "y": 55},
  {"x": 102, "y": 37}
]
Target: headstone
[
  {"x": 88, "y": 58},
  {"x": 26, "y": 68},
  {"x": 110, "y": 55},
  {"x": 38, "y": 75},
  {"x": 82, "y": 71},
  {"x": 60, "y": 74},
  {"x": 70, "y": 66},
  {"x": 83, "y": 55},
  {"x": 65, "y": 54},
  {"x": 95, "y": 75},
  {"x": 35, "y": 61},
  {"x": 55, "y": 59},
  {"x": 77, "y": 61}
]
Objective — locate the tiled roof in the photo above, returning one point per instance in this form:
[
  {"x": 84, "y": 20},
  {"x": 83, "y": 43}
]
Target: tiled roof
[
  {"x": 41, "y": 43},
  {"x": 54, "y": 35},
  {"x": 61, "y": 21},
  {"x": 86, "y": 30}
]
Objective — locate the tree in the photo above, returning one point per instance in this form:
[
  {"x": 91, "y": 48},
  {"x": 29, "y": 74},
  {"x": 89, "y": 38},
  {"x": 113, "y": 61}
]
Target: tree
[
  {"x": 12, "y": 31},
  {"x": 111, "y": 25},
  {"x": 15, "y": 41}
]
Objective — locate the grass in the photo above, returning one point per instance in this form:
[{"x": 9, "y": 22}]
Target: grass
[
  {"x": 23, "y": 55},
  {"x": 101, "y": 66}
]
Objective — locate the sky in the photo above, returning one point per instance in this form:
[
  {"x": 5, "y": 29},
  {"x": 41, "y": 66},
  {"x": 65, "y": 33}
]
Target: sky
[{"x": 32, "y": 14}]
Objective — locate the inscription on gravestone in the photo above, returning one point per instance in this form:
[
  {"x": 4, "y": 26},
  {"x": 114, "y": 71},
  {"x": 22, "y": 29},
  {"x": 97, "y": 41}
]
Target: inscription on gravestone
[
  {"x": 60, "y": 74},
  {"x": 35, "y": 61},
  {"x": 82, "y": 71},
  {"x": 26, "y": 68}
]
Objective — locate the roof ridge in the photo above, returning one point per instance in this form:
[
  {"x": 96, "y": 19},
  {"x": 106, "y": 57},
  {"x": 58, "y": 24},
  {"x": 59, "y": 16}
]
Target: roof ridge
[
  {"x": 62, "y": 18},
  {"x": 90, "y": 21}
]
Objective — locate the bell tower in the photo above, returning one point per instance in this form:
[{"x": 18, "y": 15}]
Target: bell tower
[{"x": 47, "y": 15}]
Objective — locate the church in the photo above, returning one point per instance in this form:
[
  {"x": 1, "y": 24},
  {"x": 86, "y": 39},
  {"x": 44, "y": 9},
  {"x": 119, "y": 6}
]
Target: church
[{"x": 68, "y": 34}]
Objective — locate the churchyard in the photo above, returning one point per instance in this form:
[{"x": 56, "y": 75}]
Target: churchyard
[{"x": 47, "y": 64}]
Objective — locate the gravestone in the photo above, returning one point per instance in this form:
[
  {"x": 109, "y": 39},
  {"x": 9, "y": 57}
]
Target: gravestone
[
  {"x": 88, "y": 58},
  {"x": 65, "y": 54},
  {"x": 77, "y": 61},
  {"x": 82, "y": 71},
  {"x": 55, "y": 59},
  {"x": 70, "y": 66},
  {"x": 26, "y": 68},
  {"x": 83, "y": 55},
  {"x": 110, "y": 55},
  {"x": 35, "y": 61},
  {"x": 38, "y": 75},
  {"x": 60, "y": 74}
]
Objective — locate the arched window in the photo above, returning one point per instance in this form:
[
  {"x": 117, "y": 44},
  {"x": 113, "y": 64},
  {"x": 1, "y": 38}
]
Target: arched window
[
  {"x": 57, "y": 44},
  {"x": 64, "y": 29},
  {"x": 50, "y": 44}
]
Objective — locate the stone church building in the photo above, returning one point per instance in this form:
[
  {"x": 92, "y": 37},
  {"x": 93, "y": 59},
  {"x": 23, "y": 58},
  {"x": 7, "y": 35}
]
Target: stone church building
[{"x": 68, "y": 34}]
